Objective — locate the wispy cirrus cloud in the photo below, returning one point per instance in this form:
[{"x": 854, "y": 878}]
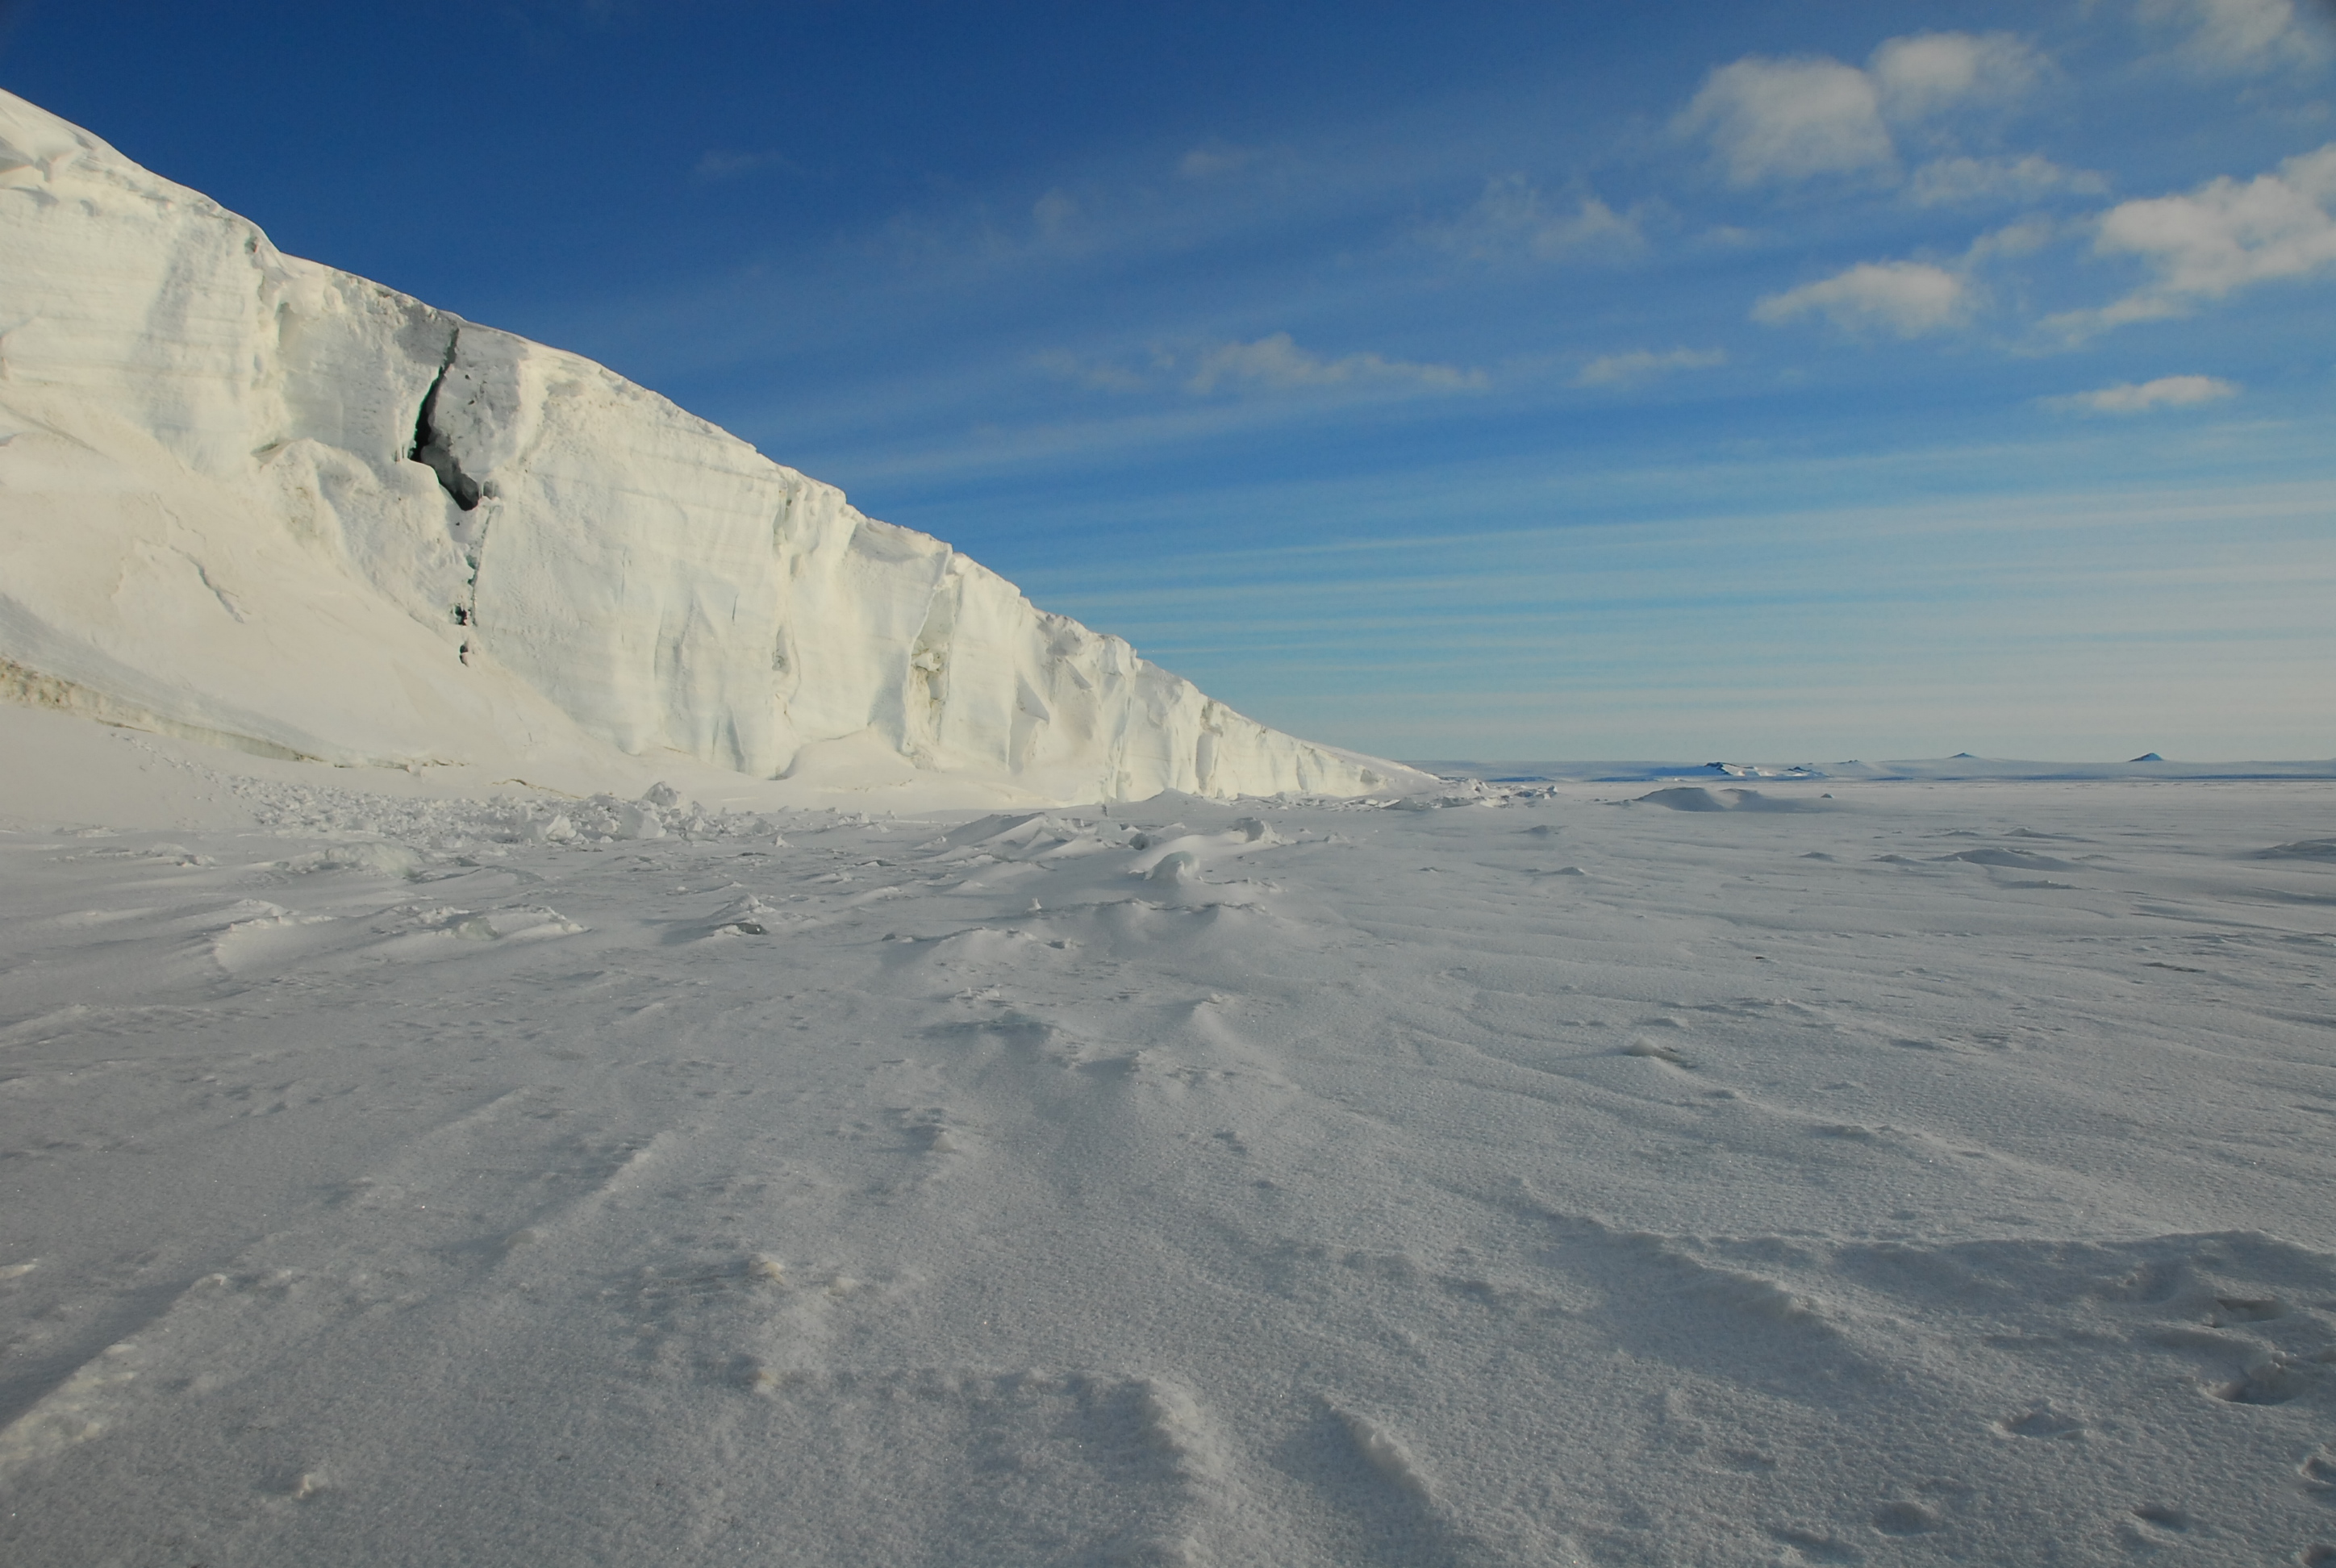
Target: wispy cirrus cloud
[
  {"x": 1104, "y": 374},
  {"x": 1213, "y": 159},
  {"x": 2024, "y": 238},
  {"x": 1644, "y": 365},
  {"x": 1275, "y": 363},
  {"x": 1513, "y": 219},
  {"x": 1906, "y": 298},
  {"x": 2139, "y": 397},
  {"x": 2241, "y": 34},
  {"x": 1961, "y": 181},
  {"x": 1272, "y": 363}
]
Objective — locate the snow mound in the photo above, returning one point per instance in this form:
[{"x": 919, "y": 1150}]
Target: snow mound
[
  {"x": 254, "y": 500},
  {"x": 1696, "y": 798},
  {"x": 2302, "y": 849}
]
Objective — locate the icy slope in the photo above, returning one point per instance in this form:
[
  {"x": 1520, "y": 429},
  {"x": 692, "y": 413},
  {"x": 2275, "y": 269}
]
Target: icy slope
[{"x": 251, "y": 499}]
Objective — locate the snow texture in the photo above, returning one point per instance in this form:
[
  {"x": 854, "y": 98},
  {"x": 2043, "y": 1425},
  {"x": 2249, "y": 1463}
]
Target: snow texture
[
  {"x": 1962, "y": 767},
  {"x": 1538, "y": 1177},
  {"x": 251, "y": 499}
]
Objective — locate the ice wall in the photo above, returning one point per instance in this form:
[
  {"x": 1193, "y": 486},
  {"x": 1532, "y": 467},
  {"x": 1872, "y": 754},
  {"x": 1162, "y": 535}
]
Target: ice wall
[{"x": 252, "y": 499}]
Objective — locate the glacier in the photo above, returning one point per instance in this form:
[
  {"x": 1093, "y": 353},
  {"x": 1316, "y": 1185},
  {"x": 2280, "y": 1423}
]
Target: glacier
[{"x": 252, "y": 499}]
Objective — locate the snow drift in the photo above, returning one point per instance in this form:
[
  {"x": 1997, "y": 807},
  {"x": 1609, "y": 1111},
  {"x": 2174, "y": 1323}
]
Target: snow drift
[{"x": 253, "y": 500}]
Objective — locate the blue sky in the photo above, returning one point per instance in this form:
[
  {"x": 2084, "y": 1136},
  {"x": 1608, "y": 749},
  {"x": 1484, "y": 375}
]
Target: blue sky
[{"x": 1784, "y": 382}]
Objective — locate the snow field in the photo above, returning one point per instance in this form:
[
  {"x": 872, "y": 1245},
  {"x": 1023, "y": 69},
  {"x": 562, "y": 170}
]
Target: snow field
[{"x": 1537, "y": 1179}]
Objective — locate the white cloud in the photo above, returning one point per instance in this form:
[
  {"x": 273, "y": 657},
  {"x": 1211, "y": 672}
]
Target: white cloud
[
  {"x": 1906, "y": 297},
  {"x": 1277, "y": 363},
  {"x": 1272, "y": 363},
  {"x": 1962, "y": 181},
  {"x": 2076, "y": 325},
  {"x": 1786, "y": 120},
  {"x": 1789, "y": 120},
  {"x": 2225, "y": 236},
  {"x": 2138, "y": 397},
  {"x": 1213, "y": 159},
  {"x": 2241, "y": 34},
  {"x": 1924, "y": 73},
  {"x": 1512, "y": 217},
  {"x": 2025, "y": 238},
  {"x": 1641, "y": 365}
]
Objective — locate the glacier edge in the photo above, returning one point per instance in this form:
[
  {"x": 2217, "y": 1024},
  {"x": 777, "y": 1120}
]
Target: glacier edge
[{"x": 254, "y": 498}]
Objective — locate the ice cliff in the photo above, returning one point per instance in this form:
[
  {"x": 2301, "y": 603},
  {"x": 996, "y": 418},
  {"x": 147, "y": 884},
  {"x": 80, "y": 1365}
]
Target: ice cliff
[{"x": 255, "y": 499}]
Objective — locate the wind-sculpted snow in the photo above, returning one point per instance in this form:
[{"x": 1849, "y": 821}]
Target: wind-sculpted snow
[
  {"x": 1531, "y": 1177},
  {"x": 254, "y": 499}
]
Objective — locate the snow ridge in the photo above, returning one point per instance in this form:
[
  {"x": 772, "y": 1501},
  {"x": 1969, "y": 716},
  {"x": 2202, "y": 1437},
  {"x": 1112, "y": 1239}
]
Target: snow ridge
[{"x": 251, "y": 498}]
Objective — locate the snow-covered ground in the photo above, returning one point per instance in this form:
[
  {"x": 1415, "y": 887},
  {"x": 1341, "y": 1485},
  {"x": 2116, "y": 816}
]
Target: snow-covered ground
[
  {"x": 1936, "y": 1172},
  {"x": 1961, "y": 768}
]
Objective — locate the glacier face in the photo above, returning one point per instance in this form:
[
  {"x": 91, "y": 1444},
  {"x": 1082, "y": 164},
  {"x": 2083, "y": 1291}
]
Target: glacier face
[{"x": 259, "y": 501}]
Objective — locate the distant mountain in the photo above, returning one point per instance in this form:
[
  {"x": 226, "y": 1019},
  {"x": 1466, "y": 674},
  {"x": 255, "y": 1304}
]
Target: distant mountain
[{"x": 255, "y": 500}]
